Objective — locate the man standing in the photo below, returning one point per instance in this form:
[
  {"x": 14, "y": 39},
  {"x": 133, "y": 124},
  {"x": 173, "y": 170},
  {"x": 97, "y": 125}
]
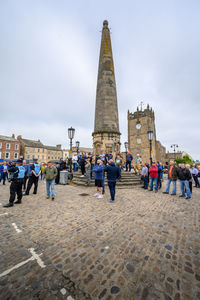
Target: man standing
[
  {"x": 18, "y": 173},
  {"x": 88, "y": 171},
  {"x": 184, "y": 175},
  {"x": 113, "y": 174},
  {"x": 195, "y": 174},
  {"x": 145, "y": 176},
  {"x": 153, "y": 172},
  {"x": 74, "y": 162},
  {"x": 129, "y": 158},
  {"x": 119, "y": 162},
  {"x": 27, "y": 171},
  {"x": 34, "y": 176},
  {"x": 50, "y": 173},
  {"x": 4, "y": 172},
  {"x": 172, "y": 177},
  {"x": 98, "y": 176}
]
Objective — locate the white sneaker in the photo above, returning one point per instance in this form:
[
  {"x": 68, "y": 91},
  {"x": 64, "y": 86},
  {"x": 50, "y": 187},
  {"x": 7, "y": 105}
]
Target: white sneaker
[
  {"x": 100, "y": 196},
  {"x": 82, "y": 176},
  {"x": 96, "y": 195}
]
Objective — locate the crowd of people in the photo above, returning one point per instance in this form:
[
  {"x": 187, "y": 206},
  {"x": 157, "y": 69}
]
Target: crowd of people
[
  {"x": 24, "y": 175},
  {"x": 153, "y": 176}
]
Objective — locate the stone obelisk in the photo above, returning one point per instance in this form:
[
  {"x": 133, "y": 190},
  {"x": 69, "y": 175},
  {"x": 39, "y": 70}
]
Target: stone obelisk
[{"x": 106, "y": 135}]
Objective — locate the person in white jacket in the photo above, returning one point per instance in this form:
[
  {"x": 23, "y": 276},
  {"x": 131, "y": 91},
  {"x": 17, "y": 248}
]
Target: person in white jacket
[{"x": 74, "y": 162}]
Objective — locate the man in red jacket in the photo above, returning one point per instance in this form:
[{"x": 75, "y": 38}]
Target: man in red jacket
[{"x": 153, "y": 173}]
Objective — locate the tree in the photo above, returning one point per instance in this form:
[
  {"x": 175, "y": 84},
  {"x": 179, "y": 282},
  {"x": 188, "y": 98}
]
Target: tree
[{"x": 185, "y": 160}]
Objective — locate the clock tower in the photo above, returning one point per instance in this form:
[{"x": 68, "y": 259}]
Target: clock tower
[{"x": 139, "y": 123}]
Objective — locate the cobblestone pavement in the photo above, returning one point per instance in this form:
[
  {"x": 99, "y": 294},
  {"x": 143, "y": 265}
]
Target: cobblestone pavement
[{"x": 146, "y": 245}]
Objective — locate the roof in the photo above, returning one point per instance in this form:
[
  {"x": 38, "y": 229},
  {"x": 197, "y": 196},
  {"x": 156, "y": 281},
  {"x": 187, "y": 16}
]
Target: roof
[
  {"x": 32, "y": 143},
  {"x": 8, "y": 138},
  {"x": 52, "y": 148}
]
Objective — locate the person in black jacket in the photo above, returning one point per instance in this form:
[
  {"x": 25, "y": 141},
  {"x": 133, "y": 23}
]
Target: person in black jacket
[
  {"x": 184, "y": 176},
  {"x": 82, "y": 163},
  {"x": 113, "y": 173}
]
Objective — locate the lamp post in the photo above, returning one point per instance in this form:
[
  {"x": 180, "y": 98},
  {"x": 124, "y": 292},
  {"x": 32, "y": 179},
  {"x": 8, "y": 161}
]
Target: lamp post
[
  {"x": 71, "y": 132},
  {"x": 126, "y": 147},
  {"x": 150, "y": 137},
  {"x": 77, "y": 146},
  {"x": 174, "y": 146}
]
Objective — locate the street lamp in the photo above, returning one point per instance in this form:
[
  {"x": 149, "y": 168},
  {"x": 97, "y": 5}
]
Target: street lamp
[
  {"x": 71, "y": 132},
  {"x": 126, "y": 147},
  {"x": 174, "y": 146},
  {"x": 150, "y": 137},
  {"x": 77, "y": 146}
]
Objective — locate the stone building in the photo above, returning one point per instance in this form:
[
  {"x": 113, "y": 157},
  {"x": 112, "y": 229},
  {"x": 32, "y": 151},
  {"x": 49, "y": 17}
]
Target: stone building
[
  {"x": 32, "y": 149},
  {"x": 9, "y": 148},
  {"x": 106, "y": 135},
  {"x": 139, "y": 123},
  {"x": 53, "y": 152}
]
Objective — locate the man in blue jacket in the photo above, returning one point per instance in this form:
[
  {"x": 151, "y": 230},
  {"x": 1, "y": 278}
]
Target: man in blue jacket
[
  {"x": 113, "y": 173},
  {"x": 98, "y": 176}
]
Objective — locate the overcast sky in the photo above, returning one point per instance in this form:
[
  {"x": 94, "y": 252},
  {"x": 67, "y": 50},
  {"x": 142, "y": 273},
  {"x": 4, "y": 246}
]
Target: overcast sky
[{"x": 49, "y": 53}]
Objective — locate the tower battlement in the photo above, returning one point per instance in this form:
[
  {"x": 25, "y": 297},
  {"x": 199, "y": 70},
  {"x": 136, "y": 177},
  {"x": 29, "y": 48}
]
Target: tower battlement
[{"x": 148, "y": 112}]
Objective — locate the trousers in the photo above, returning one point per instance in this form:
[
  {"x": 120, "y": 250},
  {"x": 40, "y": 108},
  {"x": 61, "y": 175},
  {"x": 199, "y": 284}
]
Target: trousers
[
  {"x": 50, "y": 186},
  {"x": 32, "y": 180},
  {"x": 16, "y": 188},
  {"x": 111, "y": 186}
]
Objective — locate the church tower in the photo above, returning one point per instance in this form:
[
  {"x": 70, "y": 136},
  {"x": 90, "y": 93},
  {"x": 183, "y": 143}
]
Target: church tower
[
  {"x": 106, "y": 135},
  {"x": 139, "y": 123}
]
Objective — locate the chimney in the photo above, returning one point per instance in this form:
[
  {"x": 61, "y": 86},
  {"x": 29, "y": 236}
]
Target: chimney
[
  {"x": 13, "y": 136},
  {"x": 19, "y": 138},
  {"x": 59, "y": 146}
]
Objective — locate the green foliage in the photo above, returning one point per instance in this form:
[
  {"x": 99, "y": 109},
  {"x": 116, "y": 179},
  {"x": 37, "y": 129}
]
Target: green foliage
[{"x": 185, "y": 160}]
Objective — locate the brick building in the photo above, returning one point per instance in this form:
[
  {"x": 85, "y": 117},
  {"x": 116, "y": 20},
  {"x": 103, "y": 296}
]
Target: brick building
[{"x": 9, "y": 148}]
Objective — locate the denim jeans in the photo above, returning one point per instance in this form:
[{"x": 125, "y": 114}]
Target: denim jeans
[
  {"x": 88, "y": 176},
  {"x": 4, "y": 176},
  {"x": 152, "y": 179},
  {"x": 128, "y": 165},
  {"x": 50, "y": 185},
  {"x": 146, "y": 182},
  {"x": 103, "y": 185},
  {"x": 111, "y": 186},
  {"x": 168, "y": 186},
  {"x": 74, "y": 166},
  {"x": 185, "y": 185}
]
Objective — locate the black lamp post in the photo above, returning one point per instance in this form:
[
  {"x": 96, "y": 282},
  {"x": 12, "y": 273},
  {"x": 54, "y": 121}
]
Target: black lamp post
[
  {"x": 77, "y": 146},
  {"x": 71, "y": 132},
  {"x": 126, "y": 147},
  {"x": 174, "y": 146},
  {"x": 150, "y": 137}
]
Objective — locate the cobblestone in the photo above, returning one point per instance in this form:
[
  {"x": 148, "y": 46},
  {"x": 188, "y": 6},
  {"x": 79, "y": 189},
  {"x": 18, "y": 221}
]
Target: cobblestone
[{"x": 143, "y": 246}]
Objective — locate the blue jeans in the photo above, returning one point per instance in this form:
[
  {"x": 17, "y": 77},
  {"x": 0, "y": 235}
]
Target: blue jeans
[
  {"x": 111, "y": 186},
  {"x": 152, "y": 179},
  {"x": 50, "y": 184},
  {"x": 74, "y": 167},
  {"x": 128, "y": 165},
  {"x": 185, "y": 185},
  {"x": 4, "y": 176},
  {"x": 103, "y": 185},
  {"x": 146, "y": 182},
  {"x": 168, "y": 186}
]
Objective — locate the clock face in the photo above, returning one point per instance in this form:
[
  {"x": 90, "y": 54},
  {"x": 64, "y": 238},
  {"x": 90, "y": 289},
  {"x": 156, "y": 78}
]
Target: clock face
[{"x": 138, "y": 126}]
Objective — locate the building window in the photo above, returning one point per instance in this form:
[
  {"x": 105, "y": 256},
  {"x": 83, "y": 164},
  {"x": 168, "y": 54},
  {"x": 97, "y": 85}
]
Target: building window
[
  {"x": 33, "y": 150},
  {"x": 33, "y": 156},
  {"x": 16, "y": 155},
  {"x": 52, "y": 157},
  {"x": 43, "y": 150},
  {"x": 16, "y": 147},
  {"x": 38, "y": 150},
  {"x": 56, "y": 157},
  {"x": 0, "y": 145},
  {"x": 138, "y": 141},
  {"x": 38, "y": 156},
  {"x": 28, "y": 156},
  {"x": 7, "y": 146},
  {"x": 42, "y": 156},
  {"x": 7, "y": 155},
  {"x": 49, "y": 152},
  {"x": 48, "y": 157},
  {"x": 28, "y": 150}
]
